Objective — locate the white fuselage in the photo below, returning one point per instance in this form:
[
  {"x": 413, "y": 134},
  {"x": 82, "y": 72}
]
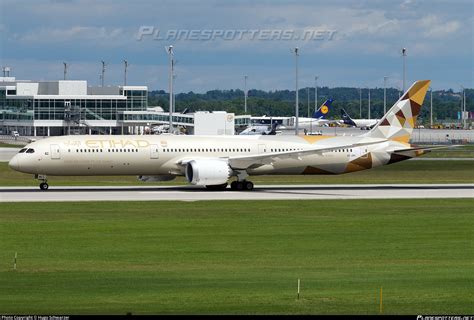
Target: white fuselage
[
  {"x": 164, "y": 155},
  {"x": 363, "y": 123},
  {"x": 290, "y": 122}
]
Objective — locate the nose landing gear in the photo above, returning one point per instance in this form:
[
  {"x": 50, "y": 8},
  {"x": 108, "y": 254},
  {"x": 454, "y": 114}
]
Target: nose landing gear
[{"x": 44, "y": 181}]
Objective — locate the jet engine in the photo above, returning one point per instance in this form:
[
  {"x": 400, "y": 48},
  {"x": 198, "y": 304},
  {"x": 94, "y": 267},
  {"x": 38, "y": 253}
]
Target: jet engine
[{"x": 208, "y": 172}]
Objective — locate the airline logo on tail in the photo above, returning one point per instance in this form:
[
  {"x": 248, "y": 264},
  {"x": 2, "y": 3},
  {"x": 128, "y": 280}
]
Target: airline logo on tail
[
  {"x": 400, "y": 120},
  {"x": 323, "y": 110}
]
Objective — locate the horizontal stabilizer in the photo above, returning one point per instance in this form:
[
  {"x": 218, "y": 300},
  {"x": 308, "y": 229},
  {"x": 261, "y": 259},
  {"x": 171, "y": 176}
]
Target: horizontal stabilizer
[{"x": 427, "y": 148}]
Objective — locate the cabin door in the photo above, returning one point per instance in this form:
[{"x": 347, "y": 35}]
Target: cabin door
[
  {"x": 55, "y": 151},
  {"x": 154, "y": 151}
]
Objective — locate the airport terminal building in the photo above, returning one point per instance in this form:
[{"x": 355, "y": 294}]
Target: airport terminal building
[{"x": 62, "y": 107}]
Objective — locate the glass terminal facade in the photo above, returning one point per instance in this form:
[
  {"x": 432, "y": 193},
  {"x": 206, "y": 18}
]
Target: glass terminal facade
[{"x": 53, "y": 108}]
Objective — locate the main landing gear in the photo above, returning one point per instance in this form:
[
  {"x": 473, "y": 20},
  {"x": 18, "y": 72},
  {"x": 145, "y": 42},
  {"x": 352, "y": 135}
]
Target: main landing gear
[
  {"x": 44, "y": 182},
  {"x": 243, "y": 185}
]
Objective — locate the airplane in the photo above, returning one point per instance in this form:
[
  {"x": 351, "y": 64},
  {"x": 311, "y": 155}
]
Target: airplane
[
  {"x": 363, "y": 124},
  {"x": 318, "y": 119},
  {"x": 212, "y": 161},
  {"x": 261, "y": 129}
]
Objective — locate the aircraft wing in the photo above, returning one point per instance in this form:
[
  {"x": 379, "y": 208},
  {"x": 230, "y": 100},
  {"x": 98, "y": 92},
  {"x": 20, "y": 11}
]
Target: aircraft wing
[{"x": 244, "y": 162}]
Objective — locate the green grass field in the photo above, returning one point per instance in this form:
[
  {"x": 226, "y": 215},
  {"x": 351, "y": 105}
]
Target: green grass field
[
  {"x": 231, "y": 257},
  {"x": 403, "y": 172},
  {"x": 9, "y": 145},
  {"x": 466, "y": 151}
]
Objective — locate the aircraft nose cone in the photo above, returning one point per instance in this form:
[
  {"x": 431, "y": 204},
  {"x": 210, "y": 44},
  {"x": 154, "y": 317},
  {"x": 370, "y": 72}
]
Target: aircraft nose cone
[{"x": 14, "y": 163}]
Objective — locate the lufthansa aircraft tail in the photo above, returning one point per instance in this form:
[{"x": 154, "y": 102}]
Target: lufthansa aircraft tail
[
  {"x": 398, "y": 123},
  {"x": 323, "y": 110},
  {"x": 346, "y": 118}
]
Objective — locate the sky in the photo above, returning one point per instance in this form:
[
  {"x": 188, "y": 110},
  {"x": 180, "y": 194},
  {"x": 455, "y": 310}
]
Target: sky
[{"x": 343, "y": 43}]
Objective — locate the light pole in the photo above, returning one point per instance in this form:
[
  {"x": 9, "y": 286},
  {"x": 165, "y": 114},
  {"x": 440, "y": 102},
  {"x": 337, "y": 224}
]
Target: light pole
[
  {"x": 65, "y": 70},
  {"x": 404, "y": 54},
  {"x": 125, "y": 75},
  {"x": 369, "y": 101},
  {"x": 169, "y": 49},
  {"x": 399, "y": 92},
  {"x": 174, "y": 94},
  {"x": 385, "y": 95},
  {"x": 465, "y": 115},
  {"x": 360, "y": 103},
  {"x": 316, "y": 93},
  {"x": 245, "y": 94},
  {"x": 296, "y": 84},
  {"x": 307, "y": 92},
  {"x": 463, "y": 106},
  {"x": 431, "y": 108},
  {"x": 103, "y": 72}
]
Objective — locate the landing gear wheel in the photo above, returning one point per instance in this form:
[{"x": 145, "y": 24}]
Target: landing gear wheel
[
  {"x": 44, "y": 186},
  {"x": 248, "y": 185},
  {"x": 242, "y": 185}
]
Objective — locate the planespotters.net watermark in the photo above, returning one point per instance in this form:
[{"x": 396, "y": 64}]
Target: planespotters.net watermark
[
  {"x": 153, "y": 33},
  {"x": 432, "y": 317}
]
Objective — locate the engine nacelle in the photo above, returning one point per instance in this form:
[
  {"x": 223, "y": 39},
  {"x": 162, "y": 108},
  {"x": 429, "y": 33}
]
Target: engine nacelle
[
  {"x": 207, "y": 172},
  {"x": 162, "y": 177}
]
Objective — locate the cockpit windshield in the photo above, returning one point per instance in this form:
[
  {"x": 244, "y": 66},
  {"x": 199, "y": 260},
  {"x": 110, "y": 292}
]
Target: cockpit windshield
[
  {"x": 22, "y": 150},
  {"x": 30, "y": 151}
]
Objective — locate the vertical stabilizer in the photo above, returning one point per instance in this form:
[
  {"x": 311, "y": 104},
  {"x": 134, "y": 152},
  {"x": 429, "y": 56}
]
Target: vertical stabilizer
[{"x": 400, "y": 120}]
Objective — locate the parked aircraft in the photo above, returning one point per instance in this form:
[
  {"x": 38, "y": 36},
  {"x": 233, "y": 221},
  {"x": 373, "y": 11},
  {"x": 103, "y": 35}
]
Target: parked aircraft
[
  {"x": 318, "y": 119},
  {"x": 363, "y": 124},
  {"x": 261, "y": 129}
]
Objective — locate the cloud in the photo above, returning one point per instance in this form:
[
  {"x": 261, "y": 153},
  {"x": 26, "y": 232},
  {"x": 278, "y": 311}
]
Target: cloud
[
  {"x": 369, "y": 34},
  {"x": 435, "y": 28},
  {"x": 74, "y": 34}
]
